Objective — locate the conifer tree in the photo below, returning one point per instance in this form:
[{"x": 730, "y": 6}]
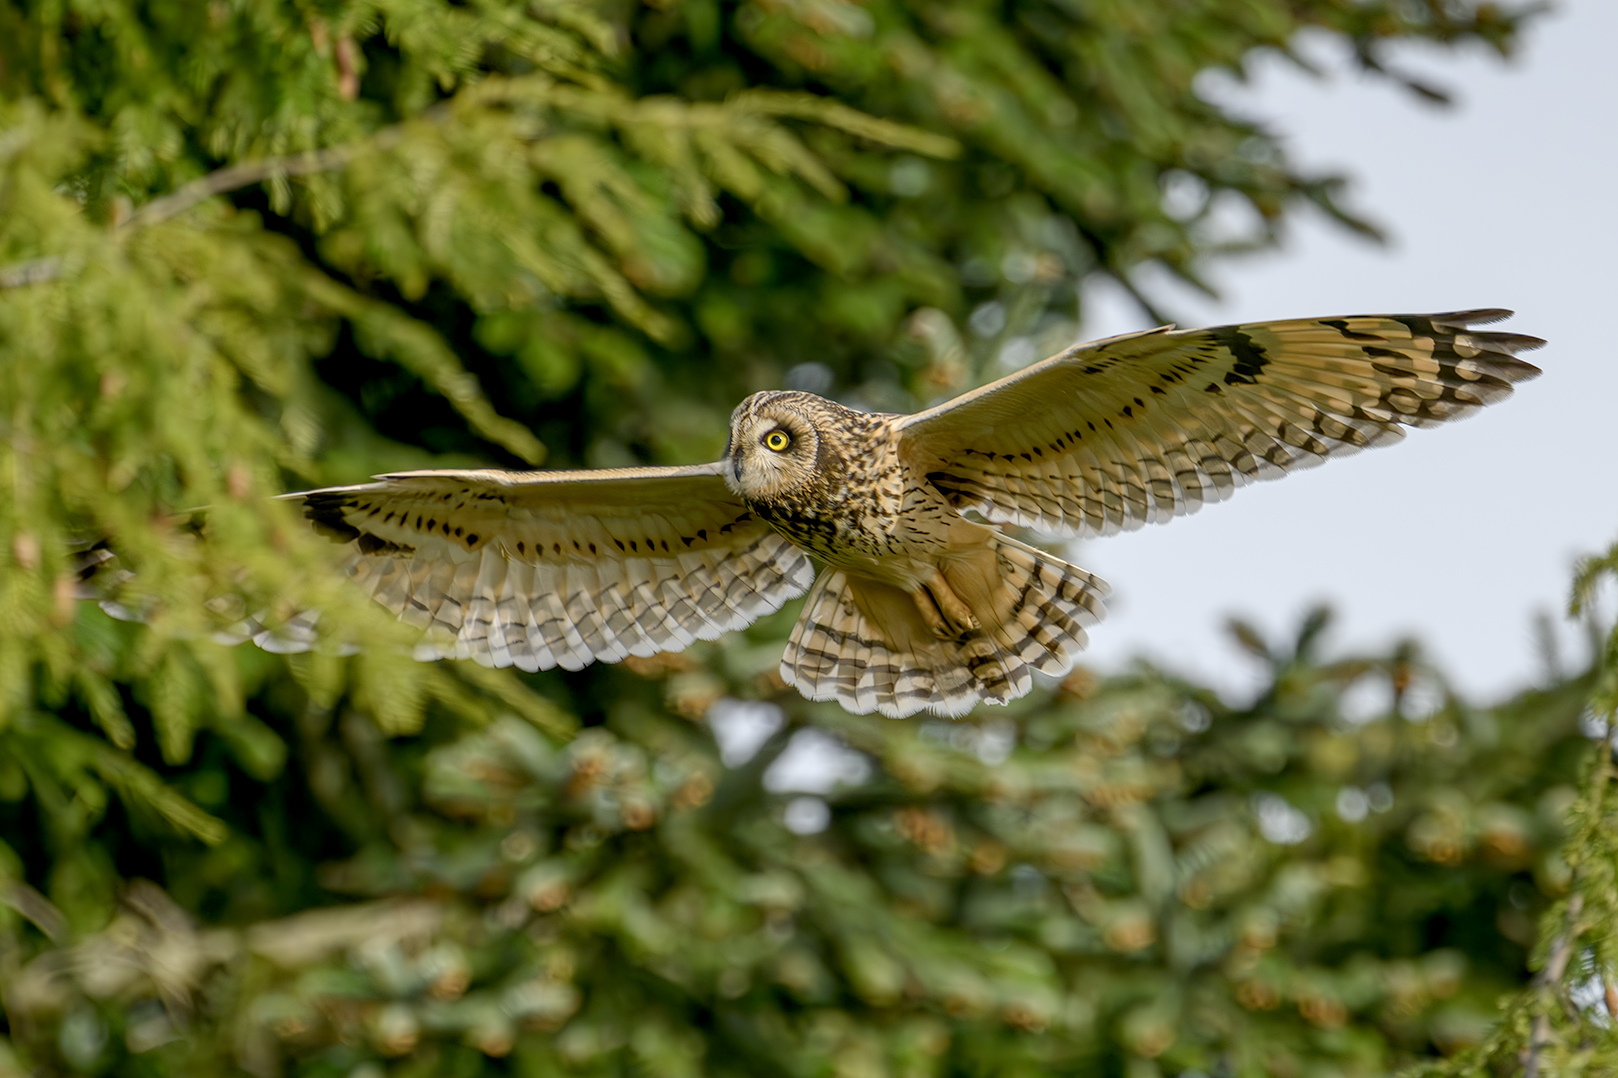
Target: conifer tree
[{"x": 248, "y": 246}]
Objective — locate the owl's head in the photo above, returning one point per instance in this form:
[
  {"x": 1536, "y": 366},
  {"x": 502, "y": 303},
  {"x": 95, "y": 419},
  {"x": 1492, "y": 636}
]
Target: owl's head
[{"x": 774, "y": 446}]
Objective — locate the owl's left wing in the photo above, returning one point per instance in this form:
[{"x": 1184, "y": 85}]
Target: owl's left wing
[
  {"x": 543, "y": 569},
  {"x": 1140, "y": 428}
]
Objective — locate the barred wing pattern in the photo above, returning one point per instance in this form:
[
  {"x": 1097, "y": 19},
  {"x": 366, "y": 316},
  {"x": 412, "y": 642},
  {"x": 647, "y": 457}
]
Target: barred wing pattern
[
  {"x": 1140, "y": 428},
  {"x": 544, "y": 569}
]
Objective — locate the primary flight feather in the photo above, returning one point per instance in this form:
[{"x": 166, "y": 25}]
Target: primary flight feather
[{"x": 917, "y": 606}]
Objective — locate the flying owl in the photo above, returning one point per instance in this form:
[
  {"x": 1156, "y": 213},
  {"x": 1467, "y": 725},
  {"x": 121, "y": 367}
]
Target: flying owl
[{"x": 918, "y": 605}]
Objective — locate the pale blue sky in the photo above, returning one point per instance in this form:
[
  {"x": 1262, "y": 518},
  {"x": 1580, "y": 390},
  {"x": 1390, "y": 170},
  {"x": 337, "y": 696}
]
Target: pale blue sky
[{"x": 1457, "y": 535}]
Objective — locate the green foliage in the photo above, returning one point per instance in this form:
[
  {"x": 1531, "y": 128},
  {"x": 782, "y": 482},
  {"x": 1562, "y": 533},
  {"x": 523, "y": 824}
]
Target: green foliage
[
  {"x": 248, "y": 246},
  {"x": 1564, "y": 1023},
  {"x": 1121, "y": 876}
]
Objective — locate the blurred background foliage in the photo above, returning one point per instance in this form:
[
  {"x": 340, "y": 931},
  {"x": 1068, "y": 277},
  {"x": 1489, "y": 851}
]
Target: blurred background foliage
[{"x": 250, "y": 246}]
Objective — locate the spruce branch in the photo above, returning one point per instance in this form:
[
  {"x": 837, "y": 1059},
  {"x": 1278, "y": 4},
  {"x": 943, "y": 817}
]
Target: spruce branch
[{"x": 747, "y": 118}]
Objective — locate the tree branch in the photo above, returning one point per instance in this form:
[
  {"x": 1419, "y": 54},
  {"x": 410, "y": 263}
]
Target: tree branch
[
  {"x": 219, "y": 182},
  {"x": 33, "y": 271},
  {"x": 1561, "y": 952},
  {"x": 234, "y": 177},
  {"x": 1551, "y": 973}
]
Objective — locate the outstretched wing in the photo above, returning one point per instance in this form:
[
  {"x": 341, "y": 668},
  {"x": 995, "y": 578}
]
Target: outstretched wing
[
  {"x": 543, "y": 569},
  {"x": 1144, "y": 427}
]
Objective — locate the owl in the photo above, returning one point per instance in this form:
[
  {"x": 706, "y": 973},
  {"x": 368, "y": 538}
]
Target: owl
[{"x": 922, "y": 601}]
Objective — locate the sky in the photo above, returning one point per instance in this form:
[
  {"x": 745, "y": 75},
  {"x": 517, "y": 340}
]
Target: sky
[{"x": 1459, "y": 535}]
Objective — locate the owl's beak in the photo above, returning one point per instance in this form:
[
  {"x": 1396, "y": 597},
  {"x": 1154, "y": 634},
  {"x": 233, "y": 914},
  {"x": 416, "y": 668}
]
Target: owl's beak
[{"x": 736, "y": 467}]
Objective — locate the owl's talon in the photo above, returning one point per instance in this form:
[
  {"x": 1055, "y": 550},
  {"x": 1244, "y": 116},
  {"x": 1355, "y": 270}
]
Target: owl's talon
[
  {"x": 931, "y": 614},
  {"x": 945, "y": 613}
]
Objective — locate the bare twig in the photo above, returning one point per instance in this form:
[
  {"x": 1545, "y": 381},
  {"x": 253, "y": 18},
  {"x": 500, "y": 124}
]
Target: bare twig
[
  {"x": 34, "y": 271},
  {"x": 234, "y": 177},
  {"x": 1551, "y": 973},
  {"x": 1561, "y": 951},
  {"x": 219, "y": 182},
  {"x": 1151, "y": 310},
  {"x": 36, "y": 907}
]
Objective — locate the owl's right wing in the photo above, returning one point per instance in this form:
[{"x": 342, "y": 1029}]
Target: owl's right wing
[
  {"x": 1141, "y": 428},
  {"x": 543, "y": 569}
]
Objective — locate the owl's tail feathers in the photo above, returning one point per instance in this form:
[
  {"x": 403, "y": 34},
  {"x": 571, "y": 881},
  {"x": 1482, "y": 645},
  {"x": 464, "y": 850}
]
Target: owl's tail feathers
[
  {"x": 865, "y": 644},
  {"x": 1034, "y": 605}
]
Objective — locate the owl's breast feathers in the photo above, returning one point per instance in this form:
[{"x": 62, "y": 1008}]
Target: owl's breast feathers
[{"x": 855, "y": 510}]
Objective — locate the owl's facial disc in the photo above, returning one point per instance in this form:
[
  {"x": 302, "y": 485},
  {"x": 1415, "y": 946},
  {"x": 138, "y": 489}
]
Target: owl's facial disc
[{"x": 772, "y": 449}]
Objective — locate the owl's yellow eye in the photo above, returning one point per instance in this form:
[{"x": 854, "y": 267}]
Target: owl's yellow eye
[{"x": 777, "y": 441}]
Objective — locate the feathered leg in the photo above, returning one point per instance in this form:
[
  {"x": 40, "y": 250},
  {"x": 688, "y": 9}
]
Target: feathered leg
[{"x": 871, "y": 646}]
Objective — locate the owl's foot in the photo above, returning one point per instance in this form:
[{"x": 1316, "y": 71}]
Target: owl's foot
[{"x": 943, "y": 611}]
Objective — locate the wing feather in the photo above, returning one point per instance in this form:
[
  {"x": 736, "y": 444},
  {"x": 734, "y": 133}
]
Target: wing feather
[
  {"x": 544, "y": 569},
  {"x": 1141, "y": 428}
]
